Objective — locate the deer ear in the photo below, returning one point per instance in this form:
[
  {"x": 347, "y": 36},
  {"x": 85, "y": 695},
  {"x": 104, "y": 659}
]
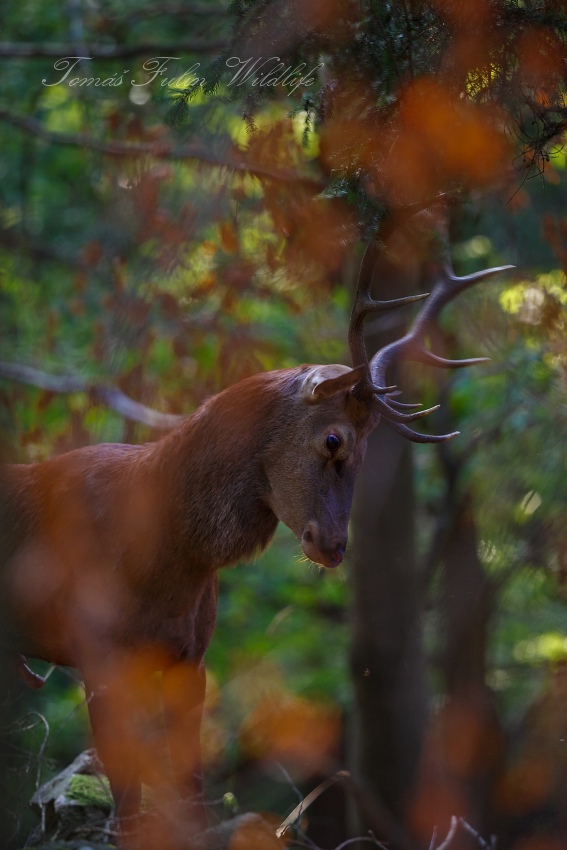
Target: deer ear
[{"x": 325, "y": 381}]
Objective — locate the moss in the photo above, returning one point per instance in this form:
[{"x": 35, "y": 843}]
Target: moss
[
  {"x": 90, "y": 791},
  {"x": 87, "y": 790}
]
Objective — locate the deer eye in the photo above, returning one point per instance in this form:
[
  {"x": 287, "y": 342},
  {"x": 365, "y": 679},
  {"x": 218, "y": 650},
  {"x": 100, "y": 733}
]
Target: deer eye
[{"x": 333, "y": 442}]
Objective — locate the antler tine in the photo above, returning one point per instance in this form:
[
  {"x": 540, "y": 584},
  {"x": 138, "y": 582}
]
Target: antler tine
[
  {"x": 396, "y": 416},
  {"x": 412, "y": 347},
  {"x": 416, "y": 437},
  {"x": 363, "y": 305},
  {"x": 446, "y": 289},
  {"x": 431, "y": 359},
  {"x": 400, "y": 405}
]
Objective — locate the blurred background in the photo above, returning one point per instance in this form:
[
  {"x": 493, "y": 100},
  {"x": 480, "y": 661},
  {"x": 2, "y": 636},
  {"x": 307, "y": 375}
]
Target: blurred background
[{"x": 186, "y": 189}]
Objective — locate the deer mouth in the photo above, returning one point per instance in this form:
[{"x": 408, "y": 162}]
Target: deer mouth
[{"x": 328, "y": 556}]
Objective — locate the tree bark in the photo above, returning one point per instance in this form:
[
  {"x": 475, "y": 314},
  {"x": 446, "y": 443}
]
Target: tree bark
[
  {"x": 465, "y": 746},
  {"x": 387, "y": 663},
  {"x": 387, "y": 659}
]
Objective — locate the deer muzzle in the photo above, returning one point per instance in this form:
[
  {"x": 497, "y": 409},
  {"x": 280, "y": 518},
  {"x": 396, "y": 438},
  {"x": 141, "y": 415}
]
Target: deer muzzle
[{"x": 329, "y": 552}]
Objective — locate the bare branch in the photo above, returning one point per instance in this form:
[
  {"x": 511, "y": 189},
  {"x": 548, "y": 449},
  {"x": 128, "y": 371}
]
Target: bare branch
[
  {"x": 157, "y": 150},
  {"x": 103, "y": 394}
]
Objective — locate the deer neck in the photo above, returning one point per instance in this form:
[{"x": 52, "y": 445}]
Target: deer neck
[{"x": 215, "y": 461}]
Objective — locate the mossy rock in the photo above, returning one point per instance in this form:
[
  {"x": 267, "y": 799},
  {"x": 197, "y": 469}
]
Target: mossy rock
[
  {"x": 74, "y": 805},
  {"x": 75, "y": 809}
]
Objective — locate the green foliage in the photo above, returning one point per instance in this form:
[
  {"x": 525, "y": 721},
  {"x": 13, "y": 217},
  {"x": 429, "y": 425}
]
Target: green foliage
[
  {"x": 173, "y": 272},
  {"x": 300, "y": 603}
]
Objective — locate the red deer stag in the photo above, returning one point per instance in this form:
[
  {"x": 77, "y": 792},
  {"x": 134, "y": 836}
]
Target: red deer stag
[{"x": 111, "y": 551}]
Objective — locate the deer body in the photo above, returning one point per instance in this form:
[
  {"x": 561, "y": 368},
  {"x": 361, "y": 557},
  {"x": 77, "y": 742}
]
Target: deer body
[
  {"x": 110, "y": 553},
  {"x": 154, "y": 522},
  {"x": 112, "y": 550}
]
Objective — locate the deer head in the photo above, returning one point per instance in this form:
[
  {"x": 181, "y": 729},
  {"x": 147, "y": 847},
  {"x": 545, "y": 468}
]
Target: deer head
[
  {"x": 311, "y": 491},
  {"x": 312, "y": 473}
]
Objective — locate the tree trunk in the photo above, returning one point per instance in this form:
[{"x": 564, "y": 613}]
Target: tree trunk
[
  {"x": 464, "y": 750},
  {"x": 387, "y": 660}
]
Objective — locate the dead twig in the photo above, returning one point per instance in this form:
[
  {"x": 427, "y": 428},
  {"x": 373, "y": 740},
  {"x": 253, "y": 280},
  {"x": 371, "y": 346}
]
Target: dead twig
[
  {"x": 466, "y": 827},
  {"x": 294, "y": 816}
]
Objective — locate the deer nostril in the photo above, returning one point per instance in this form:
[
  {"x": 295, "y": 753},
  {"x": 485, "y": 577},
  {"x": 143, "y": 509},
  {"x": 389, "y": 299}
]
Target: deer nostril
[
  {"x": 307, "y": 536},
  {"x": 337, "y": 556}
]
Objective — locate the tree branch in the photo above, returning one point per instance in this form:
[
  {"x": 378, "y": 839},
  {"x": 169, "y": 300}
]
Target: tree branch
[
  {"x": 33, "y": 50},
  {"x": 158, "y": 150},
  {"x": 103, "y": 394},
  {"x": 17, "y": 240}
]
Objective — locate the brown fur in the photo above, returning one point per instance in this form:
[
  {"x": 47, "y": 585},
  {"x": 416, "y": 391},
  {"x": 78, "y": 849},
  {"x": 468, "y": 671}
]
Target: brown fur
[{"x": 113, "y": 549}]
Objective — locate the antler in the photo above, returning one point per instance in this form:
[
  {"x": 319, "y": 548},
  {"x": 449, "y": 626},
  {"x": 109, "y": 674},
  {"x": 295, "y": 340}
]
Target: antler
[
  {"x": 363, "y": 305},
  {"x": 409, "y": 347}
]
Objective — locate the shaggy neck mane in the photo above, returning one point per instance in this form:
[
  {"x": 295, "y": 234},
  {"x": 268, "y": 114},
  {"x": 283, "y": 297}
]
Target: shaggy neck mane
[{"x": 218, "y": 496}]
